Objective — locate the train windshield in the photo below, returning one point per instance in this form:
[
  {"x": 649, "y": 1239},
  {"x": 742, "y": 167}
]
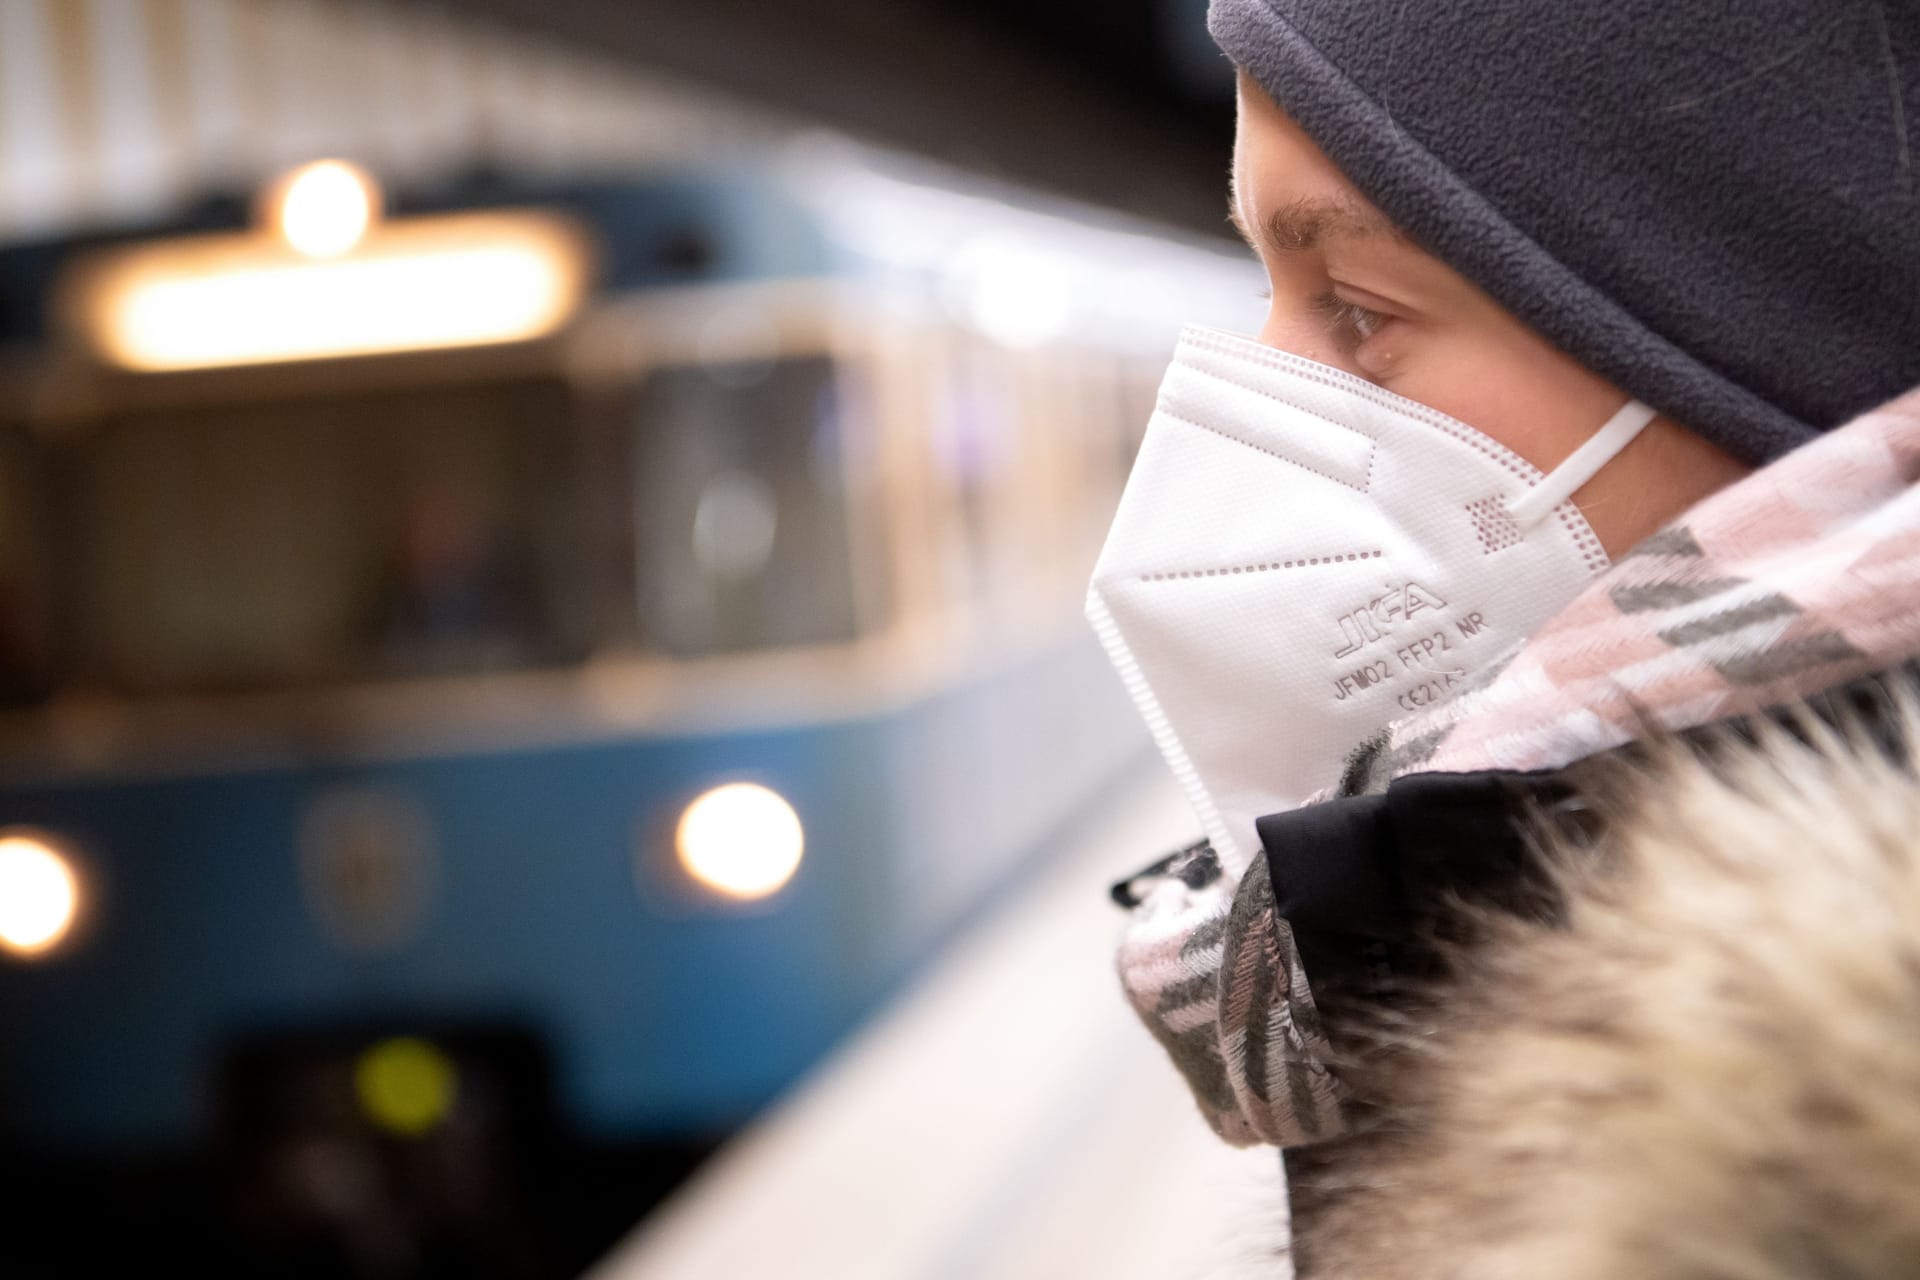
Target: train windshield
[
  {"x": 256, "y": 543},
  {"x": 463, "y": 527}
]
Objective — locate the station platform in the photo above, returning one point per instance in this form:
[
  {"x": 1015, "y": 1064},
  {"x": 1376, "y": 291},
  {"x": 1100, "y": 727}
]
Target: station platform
[{"x": 1005, "y": 1119}]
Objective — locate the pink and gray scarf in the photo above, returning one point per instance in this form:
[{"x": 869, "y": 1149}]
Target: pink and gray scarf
[{"x": 1800, "y": 577}]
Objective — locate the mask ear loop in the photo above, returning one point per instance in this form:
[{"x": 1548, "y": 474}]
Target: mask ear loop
[{"x": 1580, "y": 466}]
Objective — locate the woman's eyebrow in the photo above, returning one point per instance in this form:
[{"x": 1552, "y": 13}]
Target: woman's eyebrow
[{"x": 1306, "y": 223}]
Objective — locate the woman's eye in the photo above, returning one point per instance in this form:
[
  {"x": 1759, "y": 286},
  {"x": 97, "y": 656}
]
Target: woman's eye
[{"x": 1348, "y": 321}]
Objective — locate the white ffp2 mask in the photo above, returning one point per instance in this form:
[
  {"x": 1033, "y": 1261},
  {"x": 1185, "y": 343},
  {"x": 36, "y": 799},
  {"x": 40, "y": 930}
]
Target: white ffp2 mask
[{"x": 1301, "y": 557}]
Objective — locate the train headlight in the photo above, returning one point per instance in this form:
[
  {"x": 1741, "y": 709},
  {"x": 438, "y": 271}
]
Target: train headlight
[
  {"x": 741, "y": 840},
  {"x": 39, "y": 895}
]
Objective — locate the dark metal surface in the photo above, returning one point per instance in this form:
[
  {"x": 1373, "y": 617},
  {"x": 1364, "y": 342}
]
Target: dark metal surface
[{"x": 1122, "y": 102}]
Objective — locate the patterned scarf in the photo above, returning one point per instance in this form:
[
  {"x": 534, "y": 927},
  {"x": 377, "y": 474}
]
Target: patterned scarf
[{"x": 1800, "y": 577}]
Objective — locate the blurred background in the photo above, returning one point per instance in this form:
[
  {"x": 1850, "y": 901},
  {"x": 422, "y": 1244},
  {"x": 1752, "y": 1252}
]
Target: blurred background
[{"x": 545, "y": 724}]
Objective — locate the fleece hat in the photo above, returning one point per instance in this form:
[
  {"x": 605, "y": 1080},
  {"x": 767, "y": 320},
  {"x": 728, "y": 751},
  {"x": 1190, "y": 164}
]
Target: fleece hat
[{"x": 1713, "y": 205}]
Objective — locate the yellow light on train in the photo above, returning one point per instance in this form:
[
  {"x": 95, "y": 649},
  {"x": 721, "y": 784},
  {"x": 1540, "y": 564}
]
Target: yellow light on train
[
  {"x": 416, "y": 284},
  {"x": 741, "y": 840},
  {"x": 324, "y": 209},
  {"x": 39, "y": 895},
  {"x": 406, "y": 1086}
]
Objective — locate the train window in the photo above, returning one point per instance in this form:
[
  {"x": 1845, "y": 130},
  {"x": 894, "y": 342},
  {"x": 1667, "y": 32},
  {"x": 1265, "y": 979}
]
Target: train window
[
  {"x": 741, "y": 508},
  {"x": 976, "y": 431},
  {"x": 268, "y": 542}
]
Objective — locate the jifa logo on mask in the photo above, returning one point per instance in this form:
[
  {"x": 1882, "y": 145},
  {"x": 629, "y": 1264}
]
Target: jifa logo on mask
[{"x": 1381, "y": 614}]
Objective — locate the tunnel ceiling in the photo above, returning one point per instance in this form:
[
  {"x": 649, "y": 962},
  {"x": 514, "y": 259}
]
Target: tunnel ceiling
[{"x": 1121, "y": 102}]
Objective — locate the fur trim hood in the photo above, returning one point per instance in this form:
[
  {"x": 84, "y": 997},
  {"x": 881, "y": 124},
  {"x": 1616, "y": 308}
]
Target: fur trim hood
[{"x": 1701, "y": 1063}]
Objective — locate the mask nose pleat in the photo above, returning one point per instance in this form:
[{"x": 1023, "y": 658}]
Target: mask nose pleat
[{"x": 1208, "y": 397}]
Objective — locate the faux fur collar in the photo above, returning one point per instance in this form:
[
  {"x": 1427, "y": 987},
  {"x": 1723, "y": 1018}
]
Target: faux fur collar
[{"x": 1706, "y": 1068}]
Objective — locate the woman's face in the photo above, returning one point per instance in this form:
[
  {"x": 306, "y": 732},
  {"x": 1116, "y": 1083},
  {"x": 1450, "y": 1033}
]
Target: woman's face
[{"x": 1350, "y": 290}]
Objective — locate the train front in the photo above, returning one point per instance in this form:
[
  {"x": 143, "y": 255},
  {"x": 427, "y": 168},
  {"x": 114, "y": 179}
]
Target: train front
[
  {"x": 540, "y": 601},
  {"x": 503, "y": 674}
]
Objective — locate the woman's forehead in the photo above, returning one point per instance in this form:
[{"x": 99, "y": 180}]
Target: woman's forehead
[
  {"x": 1274, "y": 160},
  {"x": 1284, "y": 194}
]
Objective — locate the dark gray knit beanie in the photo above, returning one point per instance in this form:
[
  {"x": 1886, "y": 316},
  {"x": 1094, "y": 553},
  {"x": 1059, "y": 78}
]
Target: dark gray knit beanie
[{"x": 1710, "y": 203}]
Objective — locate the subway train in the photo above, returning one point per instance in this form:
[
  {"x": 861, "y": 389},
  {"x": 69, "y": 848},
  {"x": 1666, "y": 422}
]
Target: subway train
[{"x": 562, "y": 647}]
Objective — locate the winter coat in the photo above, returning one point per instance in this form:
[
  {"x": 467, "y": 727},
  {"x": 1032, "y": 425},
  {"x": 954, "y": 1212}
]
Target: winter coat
[{"x": 1662, "y": 1026}]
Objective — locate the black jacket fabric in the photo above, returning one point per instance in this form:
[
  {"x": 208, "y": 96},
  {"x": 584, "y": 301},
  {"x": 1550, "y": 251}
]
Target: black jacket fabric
[{"x": 1377, "y": 887}]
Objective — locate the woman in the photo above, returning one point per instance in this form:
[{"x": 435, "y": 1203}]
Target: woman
[{"x": 1566, "y": 497}]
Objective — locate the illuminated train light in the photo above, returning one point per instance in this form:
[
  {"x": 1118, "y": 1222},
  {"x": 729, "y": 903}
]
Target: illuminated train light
[
  {"x": 740, "y": 840},
  {"x": 324, "y": 209},
  {"x": 39, "y": 895},
  {"x": 425, "y": 284},
  {"x": 406, "y": 1085}
]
